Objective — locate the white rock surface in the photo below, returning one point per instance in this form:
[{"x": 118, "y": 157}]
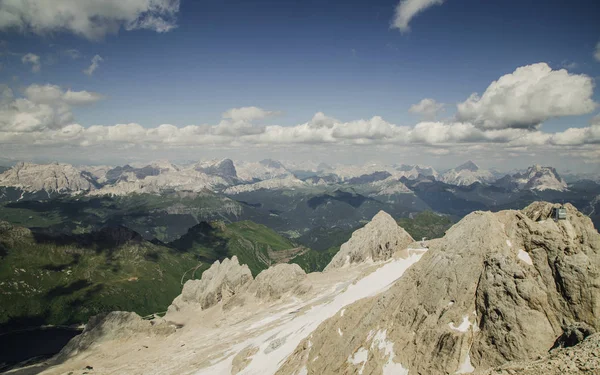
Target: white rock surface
[
  {"x": 467, "y": 174},
  {"x": 275, "y": 183},
  {"x": 376, "y": 241},
  {"x": 54, "y": 177},
  {"x": 273, "y": 282},
  {"x": 219, "y": 282}
]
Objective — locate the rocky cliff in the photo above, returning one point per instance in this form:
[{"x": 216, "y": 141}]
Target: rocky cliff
[{"x": 497, "y": 288}]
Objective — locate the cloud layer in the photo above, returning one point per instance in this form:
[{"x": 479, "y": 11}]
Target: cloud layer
[
  {"x": 507, "y": 115},
  {"x": 91, "y": 19}
]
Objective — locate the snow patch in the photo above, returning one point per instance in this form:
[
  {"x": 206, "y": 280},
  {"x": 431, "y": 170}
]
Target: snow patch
[
  {"x": 359, "y": 357},
  {"x": 381, "y": 342},
  {"x": 463, "y": 327},
  {"x": 466, "y": 367},
  {"x": 292, "y": 330},
  {"x": 524, "y": 256},
  {"x": 342, "y": 312},
  {"x": 508, "y": 243},
  {"x": 340, "y": 332},
  {"x": 303, "y": 371}
]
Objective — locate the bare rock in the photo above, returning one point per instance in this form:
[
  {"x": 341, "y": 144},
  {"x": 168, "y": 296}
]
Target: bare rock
[
  {"x": 273, "y": 282},
  {"x": 378, "y": 240},
  {"x": 498, "y": 288},
  {"x": 576, "y": 360},
  {"x": 218, "y": 283},
  {"x": 113, "y": 326},
  {"x": 574, "y": 334}
]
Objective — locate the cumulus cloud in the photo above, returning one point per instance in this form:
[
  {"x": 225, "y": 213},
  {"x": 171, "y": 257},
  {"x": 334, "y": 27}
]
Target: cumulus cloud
[
  {"x": 578, "y": 136},
  {"x": 43, "y": 107},
  {"x": 96, "y": 60},
  {"x": 91, "y": 19},
  {"x": 428, "y": 108},
  {"x": 406, "y": 10},
  {"x": 597, "y": 52},
  {"x": 505, "y": 116},
  {"x": 34, "y": 60},
  {"x": 529, "y": 96},
  {"x": 248, "y": 114},
  {"x": 34, "y": 128}
]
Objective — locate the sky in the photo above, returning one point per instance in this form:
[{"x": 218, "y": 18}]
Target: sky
[{"x": 504, "y": 83}]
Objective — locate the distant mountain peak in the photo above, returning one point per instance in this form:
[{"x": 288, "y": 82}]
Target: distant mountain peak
[
  {"x": 270, "y": 163},
  {"x": 469, "y": 166}
]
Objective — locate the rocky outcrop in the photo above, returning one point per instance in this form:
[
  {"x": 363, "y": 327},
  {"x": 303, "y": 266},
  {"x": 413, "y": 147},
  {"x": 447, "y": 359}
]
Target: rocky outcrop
[
  {"x": 499, "y": 287},
  {"x": 577, "y": 360},
  {"x": 277, "y": 280},
  {"x": 113, "y": 326},
  {"x": 52, "y": 177},
  {"x": 534, "y": 178},
  {"x": 378, "y": 240},
  {"x": 219, "y": 282},
  {"x": 467, "y": 174}
]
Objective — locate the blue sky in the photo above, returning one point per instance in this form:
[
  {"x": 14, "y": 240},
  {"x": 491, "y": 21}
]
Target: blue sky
[{"x": 300, "y": 58}]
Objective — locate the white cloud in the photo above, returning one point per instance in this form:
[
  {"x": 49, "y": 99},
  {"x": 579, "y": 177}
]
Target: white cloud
[
  {"x": 96, "y": 60},
  {"x": 597, "y": 52},
  {"x": 43, "y": 116},
  {"x": 34, "y": 60},
  {"x": 406, "y": 10},
  {"x": 248, "y": 114},
  {"x": 91, "y": 19},
  {"x": 428, "y": 108},
  {"x": 529, "y": 96},
  {"x": 43, "y": 107},
  {"x": 579, "y": 136}
]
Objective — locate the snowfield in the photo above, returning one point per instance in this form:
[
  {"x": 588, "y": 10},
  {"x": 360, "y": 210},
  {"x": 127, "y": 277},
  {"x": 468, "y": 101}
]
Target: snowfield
[{"x": 277, "y": 343}]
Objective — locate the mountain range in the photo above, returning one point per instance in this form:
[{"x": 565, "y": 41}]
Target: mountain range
[
  {"x": 511, "y": 292},
  {"x": 233, "y": 177}
]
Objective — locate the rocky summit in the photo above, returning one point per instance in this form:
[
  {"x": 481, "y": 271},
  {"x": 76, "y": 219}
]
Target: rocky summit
[
  {"x": 512, "y": 292},
  {"x": 376, "y": 241}
]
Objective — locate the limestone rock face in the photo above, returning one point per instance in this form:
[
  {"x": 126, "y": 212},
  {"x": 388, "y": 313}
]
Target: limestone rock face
[
  {"x": 273, "y": 282},
  {"x": 52, "y": 177},
  {"x": 499, "y": 287},
  {"x": 580, "y": 359},
  {"x": 112, "y": 326},
  {"x": 378, "y": 240},
  {"x": 219, "y": 282}
]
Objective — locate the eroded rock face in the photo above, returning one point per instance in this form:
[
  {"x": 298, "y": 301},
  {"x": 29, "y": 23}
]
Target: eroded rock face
[
  {"x": 273, "y": 282},
  {"x": 378, "y": 240},
  {"x": 499, "y": 287},
  {"x": 219, "y": 282},
  {"x": 112, "y": 326},
  {"x": 52, "y": 177},
  {"x": 580, "y": 359}
]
